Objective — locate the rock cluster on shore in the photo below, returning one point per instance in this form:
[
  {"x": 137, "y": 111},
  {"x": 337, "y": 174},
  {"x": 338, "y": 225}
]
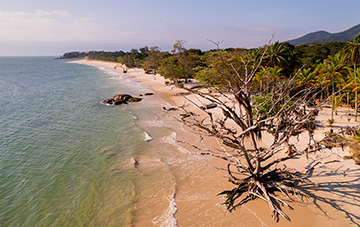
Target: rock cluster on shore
[{"x": 120, "y": 99}]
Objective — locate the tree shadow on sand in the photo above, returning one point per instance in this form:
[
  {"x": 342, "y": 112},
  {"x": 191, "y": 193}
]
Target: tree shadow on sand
[
  {"x": 332, "y": 189},
  {"x": 342, "y": 195}
]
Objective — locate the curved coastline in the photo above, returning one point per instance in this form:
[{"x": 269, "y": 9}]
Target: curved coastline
[{"x": 195, "y": 198}]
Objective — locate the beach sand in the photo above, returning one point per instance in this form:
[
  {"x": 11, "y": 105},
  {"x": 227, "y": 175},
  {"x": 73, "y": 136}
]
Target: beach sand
[{"x": 334, "y": 198}]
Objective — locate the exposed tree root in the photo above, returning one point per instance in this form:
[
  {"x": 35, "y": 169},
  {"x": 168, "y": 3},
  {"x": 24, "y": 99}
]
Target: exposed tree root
[{"x": 265, "y": 187}]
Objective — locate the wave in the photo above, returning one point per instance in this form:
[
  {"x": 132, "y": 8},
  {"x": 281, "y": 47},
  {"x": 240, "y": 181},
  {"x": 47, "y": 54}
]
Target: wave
[
  {"x": 156, "y": 192},
  {"x": 168, "y": 219},
  {"x": 172, "y": 140},
  {"x": 172, "y": 210}
]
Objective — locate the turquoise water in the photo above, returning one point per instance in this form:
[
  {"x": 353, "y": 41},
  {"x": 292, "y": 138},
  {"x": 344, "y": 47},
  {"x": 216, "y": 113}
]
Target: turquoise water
[
  {"x": 67, "y": 160},
  {"x": 64, "y": 157}
]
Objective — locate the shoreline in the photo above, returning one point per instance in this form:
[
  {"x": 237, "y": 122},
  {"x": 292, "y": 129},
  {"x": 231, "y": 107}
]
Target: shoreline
[
  {"x": 156, "y": 82},
  {"x": 331, "y": 205}
]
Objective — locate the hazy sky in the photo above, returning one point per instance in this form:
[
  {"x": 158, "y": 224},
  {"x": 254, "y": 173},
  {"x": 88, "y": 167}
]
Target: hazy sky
[{"x": 52, "y": 27}]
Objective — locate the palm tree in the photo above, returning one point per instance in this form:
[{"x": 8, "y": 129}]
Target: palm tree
[
  {"x": 267, "y": 76},
  {"x": 354, "y": 81},
  {"x": 275, "y": 54},
  {"x": 347, "y": 84},
  {"x": 293, "y": 62},
  {"x": 256, "y": 54},
  {"x": 331, "y": 69},
  {"x": 305, "y": 78},
  {"x": 320, "y": 80},
  {"x": 353, "y": 53},
  {"x": 354, "y": 84}
]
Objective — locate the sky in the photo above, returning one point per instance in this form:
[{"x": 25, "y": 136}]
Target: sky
[{"x": 53, "y": 27}]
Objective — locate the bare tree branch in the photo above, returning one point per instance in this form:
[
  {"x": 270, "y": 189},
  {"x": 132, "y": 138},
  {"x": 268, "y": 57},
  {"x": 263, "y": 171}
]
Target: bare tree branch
[{"x": 245, "y": 116}]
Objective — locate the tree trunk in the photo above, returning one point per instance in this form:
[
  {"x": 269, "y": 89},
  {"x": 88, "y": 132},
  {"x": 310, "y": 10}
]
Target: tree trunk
[
  {"x": 333, "y": 100},
  {"x": 356, "y": 96},
  {"x": 348, "y": 103}
]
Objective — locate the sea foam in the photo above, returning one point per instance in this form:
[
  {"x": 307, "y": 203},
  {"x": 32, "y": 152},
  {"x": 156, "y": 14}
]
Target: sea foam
[
  {"x": 172, "y": 140},
  {"x": 167, "y": 219}
]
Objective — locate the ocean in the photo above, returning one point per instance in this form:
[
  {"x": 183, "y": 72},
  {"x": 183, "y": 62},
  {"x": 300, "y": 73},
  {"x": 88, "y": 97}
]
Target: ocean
[{"x": 67, "y": 160}]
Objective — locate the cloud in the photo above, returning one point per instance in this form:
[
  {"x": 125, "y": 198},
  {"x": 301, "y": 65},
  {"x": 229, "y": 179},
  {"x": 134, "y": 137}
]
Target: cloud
[
  {"x": 39, "y": 12},
  {"x": 50, "y": 32},
  {"x": 20, "y": 20},
  {"x": 54, "y": 29},
  {"x": 43, "y": 25}
]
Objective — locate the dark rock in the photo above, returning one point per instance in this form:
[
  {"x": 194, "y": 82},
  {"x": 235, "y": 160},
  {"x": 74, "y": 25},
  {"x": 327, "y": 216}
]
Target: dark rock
[
  {"x": 134, "y": 99},
  {"x": 120, "y": 99},
  {"x": 149, "y": 93},
  {"x": 127, "y": 98},
  {"x": 119, "y": 102},
  {"x": 108, "y": 101}
]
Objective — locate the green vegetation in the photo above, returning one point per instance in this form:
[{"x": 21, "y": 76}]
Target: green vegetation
[
  {"x": 330, "y": 122},
  {"x": 270, "y": 104},
  {"x": 331, "y": 67},
  {"x": 181, "y": 64}
]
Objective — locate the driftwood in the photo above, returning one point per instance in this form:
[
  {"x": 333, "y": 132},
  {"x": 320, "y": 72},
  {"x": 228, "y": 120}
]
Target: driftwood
[{"x": 282, "y": 114}]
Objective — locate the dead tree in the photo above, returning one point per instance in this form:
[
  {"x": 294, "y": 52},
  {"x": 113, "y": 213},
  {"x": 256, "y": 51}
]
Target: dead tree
[{"x": 244, "y": 119}]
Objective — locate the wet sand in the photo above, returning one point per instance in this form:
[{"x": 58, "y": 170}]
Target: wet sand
[{"x": 333, "y": 198}]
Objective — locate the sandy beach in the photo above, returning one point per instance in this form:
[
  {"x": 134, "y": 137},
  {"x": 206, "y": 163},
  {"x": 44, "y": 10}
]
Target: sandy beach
[{"x": 334, "y": 198}]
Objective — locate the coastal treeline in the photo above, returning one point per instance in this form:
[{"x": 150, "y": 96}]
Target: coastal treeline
[
  {"x": 331, "y": 65},
  {"x": 309, "y": 55}
]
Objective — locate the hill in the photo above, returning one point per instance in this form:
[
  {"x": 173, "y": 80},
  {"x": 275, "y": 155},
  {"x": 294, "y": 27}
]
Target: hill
[{"x": 327, "y": 37}]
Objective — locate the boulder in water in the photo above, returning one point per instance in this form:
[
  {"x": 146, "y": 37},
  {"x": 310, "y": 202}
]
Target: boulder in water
[{"x": 120, "y": 99}]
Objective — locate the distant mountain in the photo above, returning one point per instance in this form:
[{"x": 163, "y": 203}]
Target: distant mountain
[{"x": 327, "y": 37}]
